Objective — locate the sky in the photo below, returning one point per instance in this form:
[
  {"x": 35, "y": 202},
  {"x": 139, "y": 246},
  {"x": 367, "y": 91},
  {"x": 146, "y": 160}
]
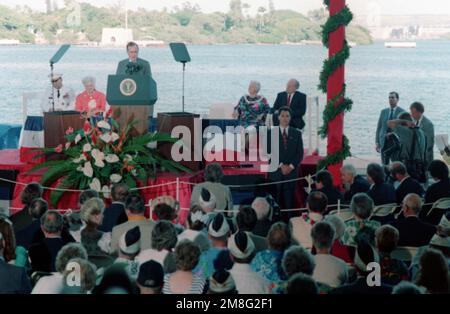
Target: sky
[{"x": 385, "y": 7}]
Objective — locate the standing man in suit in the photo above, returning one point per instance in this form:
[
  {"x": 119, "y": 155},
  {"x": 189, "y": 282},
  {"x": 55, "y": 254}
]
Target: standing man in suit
[
  {"x": 290, "y": 154},
  {"x": 133, "y": 65},
  {"x": 295, "y": 101},
  {"x": 387, "y": 114},
  {"x": 417, "y": 109}
]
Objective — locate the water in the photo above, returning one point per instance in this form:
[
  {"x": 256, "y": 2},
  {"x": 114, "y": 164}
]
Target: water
[{"x": 220, "y": 74}]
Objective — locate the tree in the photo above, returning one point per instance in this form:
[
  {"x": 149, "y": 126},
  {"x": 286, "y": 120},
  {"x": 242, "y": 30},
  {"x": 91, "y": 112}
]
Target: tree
[{"x": 261, "y": 11}]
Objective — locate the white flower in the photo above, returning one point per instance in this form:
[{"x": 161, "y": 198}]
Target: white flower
[
  {"x": 115, "y": 178},
  {"x": 77, "y": 138},
  {"x": 111, "y": 158},
  {"x": 114, "y": 137},
  {"x": 87, "y": 170},
  {"x": 96, "y": 185},
  {"x": 79, "y": 168},
  {"x": 106, "y": 138},
  {"x": 67, "y": 145},
  {"x": 127, "y": 158},
  {"x": 104, "y": 125},
  {"x": 106, "y": 191},
  {"x": 98, "y": 157},
  {"x": 87, "y": 147},
  {"x": 79, "y": 159},
  {"x": 134, "y": 172}
]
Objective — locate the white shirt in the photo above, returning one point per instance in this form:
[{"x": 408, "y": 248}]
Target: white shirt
[
  {"x": 65, "y": 101},
  {"x": 53, "y": 284},
  {"x": 248, "y": 281},
  {"x": 152, "y": 254},
  {"x": 330, "y": 270},
  {"x": 301, "y": 229}
]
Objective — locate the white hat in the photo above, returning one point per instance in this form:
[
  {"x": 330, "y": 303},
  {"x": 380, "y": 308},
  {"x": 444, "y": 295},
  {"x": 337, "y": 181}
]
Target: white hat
[
  {"x": 442, "y": 239},
  {"x": 130, "y": 241},
  {"x": 56, "y": 76},
  {"x": 218, "y": 227},
  {"x": 207, "y": 200},
  {"x": 241, "y": 245}
]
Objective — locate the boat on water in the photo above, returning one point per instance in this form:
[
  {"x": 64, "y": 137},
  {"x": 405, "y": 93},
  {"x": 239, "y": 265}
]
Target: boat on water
[{"x": 400, "y": 44}]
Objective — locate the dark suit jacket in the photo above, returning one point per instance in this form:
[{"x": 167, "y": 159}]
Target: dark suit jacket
[
  {"x": 21, "y": 219},
  {"x": 145, "y": 67},
  {"x": 298, "y": 108},
  {"x": 13, "y": 279},
  {"x": 25, "y": 237},
  {"x": 382, "y": 194},
  {"x": 332, "y": 194},
  {"x": 437, "y": 191},
  {"x": 360, "y": 287},
  {"x": 113, "y": 215},
  {"x": 43, "y": 255},
  {"x": 409, "y": 185},
  {"x": 360, "y": 185},
  {"x": 413, "y": 232},
  {"x": 293, "y": 154}
]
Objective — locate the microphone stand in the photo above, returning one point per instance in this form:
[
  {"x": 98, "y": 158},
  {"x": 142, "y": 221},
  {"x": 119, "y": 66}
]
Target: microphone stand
[{"x": 53, "y": 89}]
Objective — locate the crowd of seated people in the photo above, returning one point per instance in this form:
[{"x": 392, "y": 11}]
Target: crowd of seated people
[{"x": 118, "y": 249}]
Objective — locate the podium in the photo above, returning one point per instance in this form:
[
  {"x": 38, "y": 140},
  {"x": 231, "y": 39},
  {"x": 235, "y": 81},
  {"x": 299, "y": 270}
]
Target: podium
[
  {"x": 168, "y": 121},
  {"x": 56, "y": 124},
  {"x": 132, "y": 98}
]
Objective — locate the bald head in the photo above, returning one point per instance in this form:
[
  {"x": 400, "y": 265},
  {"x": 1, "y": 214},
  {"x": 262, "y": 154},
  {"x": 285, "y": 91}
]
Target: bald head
[
  {"x": 292, "y": 86},
  {"x": 412, "y": 204}
]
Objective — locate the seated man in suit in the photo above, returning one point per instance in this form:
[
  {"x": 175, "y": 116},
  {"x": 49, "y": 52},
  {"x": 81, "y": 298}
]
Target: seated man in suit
[
  {"x": 135, "y": 209},
  {"x": 133, "y": 65},
  {"x": 14, "y": 279},
  {"x": 26, "y": 236},
  {"x": 43, "y": 254},
  {"x": 115, "y": 214},
  {"x": 413, "y": 231},
  {"x": 294, "y": 100},
  {"x": 406, "y": 184},
  {"x": 23, "y": 218},
  {"x": 290, "y": 154},
  {"x": 381, "y": 193},
  {"x": 382, "y": 143},
  {"x": 353, "y": 183}
]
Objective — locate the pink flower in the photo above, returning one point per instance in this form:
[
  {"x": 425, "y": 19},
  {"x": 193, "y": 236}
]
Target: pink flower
[
  {"x": 69, "y": 130},
  {"x": 59, "y": 149}
]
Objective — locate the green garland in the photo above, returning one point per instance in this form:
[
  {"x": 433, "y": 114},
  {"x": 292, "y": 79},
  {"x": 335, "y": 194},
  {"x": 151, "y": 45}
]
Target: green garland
[{"x": 339, "y": 104}]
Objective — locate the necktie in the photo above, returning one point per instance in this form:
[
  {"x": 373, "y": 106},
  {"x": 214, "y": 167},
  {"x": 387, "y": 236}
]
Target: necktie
[
  {"x": 289, "y": 100},
  {"x": 391, "y": 116},
  {"x": 417, "y": 122},
  {"x": 285, "y": 139}
]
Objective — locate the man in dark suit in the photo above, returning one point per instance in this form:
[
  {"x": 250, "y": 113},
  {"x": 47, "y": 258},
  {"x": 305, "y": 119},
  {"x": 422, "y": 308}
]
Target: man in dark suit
[
  {"x": 382, "y": 193},
  {"x": 133, "y": 65},
  {"x": 13, "y": 279},
  {"x": 353, "y": 183},
  {"x": 26, "y": 236},
  {"x": 115, "y": 214},
  {"x": 290, "y": 154},
  {"x": 23, "y": 218},
  {"x": 406, "y": 184},
  {"x": 294, "y": 100},
  {"x": 43, "y": 254},
  {"x": 382, "y": 140},
  {"x": 413, "y": 232}
]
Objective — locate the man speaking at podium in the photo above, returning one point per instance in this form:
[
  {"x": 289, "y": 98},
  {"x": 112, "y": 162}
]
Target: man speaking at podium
[{"x": 133, "y": 65}]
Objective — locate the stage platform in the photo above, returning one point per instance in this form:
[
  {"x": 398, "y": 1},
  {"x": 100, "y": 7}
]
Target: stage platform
[{"x": 16, "y": 175}]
